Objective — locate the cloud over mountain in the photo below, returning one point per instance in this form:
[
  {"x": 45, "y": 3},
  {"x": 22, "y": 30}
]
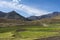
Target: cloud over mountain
[{"x": 16, "y": 5}]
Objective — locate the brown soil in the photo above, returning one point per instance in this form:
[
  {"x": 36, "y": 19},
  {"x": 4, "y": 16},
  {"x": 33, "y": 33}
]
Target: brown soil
[{"x": 50, "y": 38}]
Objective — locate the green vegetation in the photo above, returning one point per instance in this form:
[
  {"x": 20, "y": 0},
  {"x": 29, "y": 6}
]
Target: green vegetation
[
  {"x": 28, "y": 32},
  {"x": 35, "y": 34}
]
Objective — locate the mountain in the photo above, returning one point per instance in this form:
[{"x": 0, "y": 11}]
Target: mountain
[
  {"x": 2, "y": 14},
  {"x": 15, "y": 15},
  {"x": 11, "y": 15},
  {"x": 51, "y": 15}
]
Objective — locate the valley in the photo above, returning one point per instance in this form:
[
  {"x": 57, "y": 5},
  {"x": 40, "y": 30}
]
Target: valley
[
  {"x": 29, "y": 32},
  {"x": 29, "y": 19},
  {"x": 16, "y": 27}
]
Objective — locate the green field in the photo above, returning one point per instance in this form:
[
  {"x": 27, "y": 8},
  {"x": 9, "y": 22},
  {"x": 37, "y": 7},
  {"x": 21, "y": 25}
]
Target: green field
[{"x": 29, "y": 32}]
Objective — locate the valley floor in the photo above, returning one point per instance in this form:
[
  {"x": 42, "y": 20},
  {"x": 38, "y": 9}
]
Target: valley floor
[{"x": 30, "y": 32}]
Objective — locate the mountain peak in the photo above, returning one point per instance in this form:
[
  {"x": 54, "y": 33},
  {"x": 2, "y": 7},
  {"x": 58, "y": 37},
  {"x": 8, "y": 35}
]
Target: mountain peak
[
  {"x": 12, "y": 12},
  {"x": 11, "y": 15}
]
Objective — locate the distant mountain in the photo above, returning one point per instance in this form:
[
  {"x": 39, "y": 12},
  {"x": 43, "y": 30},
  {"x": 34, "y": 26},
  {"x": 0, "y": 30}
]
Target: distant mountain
[
  {"x": 2, "y": 14},
  {"x": 11, "y": 15},
  {"x": 15, "y": 15},
  {"x": 51, "y": 15}
]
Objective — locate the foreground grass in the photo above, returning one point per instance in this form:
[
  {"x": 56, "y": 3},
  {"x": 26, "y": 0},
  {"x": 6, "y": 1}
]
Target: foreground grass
[
  {"x": 28, "y": 33},
  {"x": 35, "y": 34},
  {"x": 29, "y": 28},
  {"x": 6, "y": 35}
]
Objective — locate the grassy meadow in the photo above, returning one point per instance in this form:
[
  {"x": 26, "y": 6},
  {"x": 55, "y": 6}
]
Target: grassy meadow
[{"x": 29, "y": 32}]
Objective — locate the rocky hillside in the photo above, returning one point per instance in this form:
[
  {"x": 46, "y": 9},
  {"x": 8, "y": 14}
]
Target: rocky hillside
[{"x": 11, "y": 15}]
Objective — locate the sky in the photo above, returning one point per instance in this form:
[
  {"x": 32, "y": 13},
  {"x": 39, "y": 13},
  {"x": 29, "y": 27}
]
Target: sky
[{"x": 28, "y": 8}]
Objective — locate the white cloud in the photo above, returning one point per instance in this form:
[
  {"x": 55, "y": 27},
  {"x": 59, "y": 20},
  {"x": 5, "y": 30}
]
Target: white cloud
[
  {"x": 16, "y": 6},
  {"x": 16, "y": 1},
  {"x": 34, "y": 11}
]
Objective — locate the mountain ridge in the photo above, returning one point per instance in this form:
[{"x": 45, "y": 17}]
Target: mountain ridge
[
  {"x": 51, "y": 15},
  {"x": 11, "y": 15},
  {"x": 15, "y": 15}
]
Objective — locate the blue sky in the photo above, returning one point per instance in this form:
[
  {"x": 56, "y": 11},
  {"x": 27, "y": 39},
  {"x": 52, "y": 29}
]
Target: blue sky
[
  {"x": 30, "y": 7},
  {"x": 49, "y": 5}
]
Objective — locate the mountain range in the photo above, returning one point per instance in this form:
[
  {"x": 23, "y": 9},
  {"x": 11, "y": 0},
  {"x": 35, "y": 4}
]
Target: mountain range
[
  {"x": 15, "y": 15},
  {"x": 14, "y": 18},
  {"x": 51, "y": 15}
]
